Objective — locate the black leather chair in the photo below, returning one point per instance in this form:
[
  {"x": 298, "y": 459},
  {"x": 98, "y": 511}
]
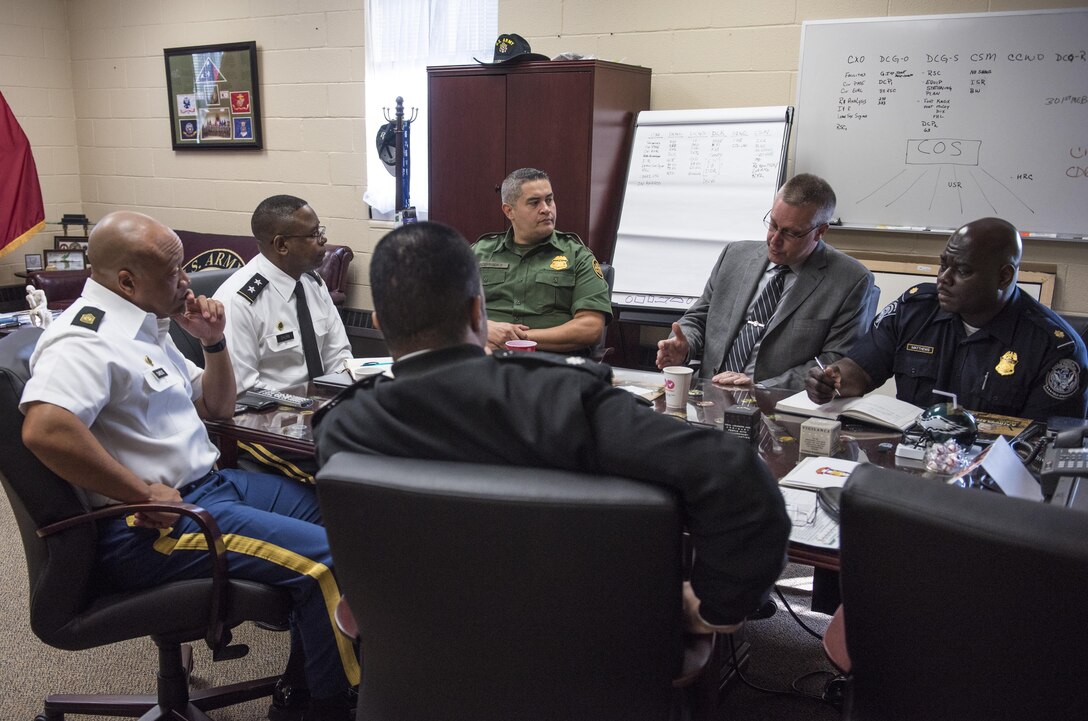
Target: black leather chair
[
  {"x": 600, "y": 349},
  {"x": 961, "y": 604},
  {"x": 70, "y": 608},
  {"x": 204, "y": 282},
  {"x": 494, "y": 592}
]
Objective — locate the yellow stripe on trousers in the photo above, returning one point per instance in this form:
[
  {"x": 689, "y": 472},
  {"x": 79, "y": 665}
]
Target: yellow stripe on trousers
[
  {"x": 269, "y": 458},
  {"x": 288, "y": 559}
]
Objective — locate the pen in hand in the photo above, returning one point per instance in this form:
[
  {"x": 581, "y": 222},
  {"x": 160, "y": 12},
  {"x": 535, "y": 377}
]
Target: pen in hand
[{"x": 834, "y": 391}]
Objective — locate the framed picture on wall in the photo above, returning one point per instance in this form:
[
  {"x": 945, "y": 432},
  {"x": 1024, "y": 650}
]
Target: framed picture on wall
[
  {"x": 33, "y": 262},
  {"x": 65, "y": 259},
  {"x": 214, "y": 96},
  {"x": 68, "y": 242}
]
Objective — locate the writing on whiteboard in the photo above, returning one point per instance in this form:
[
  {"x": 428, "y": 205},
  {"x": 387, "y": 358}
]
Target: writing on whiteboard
[
  {"x": 651, "y": 299},
  {"x": 922, "y": 108},
  {"x": 697, "y": 155}
]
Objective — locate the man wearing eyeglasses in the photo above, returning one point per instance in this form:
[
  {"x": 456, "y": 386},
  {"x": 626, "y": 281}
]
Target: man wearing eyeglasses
[
  {"x": 282, "y": 327},
  {"x": 266, "y": 324},
  {"x": 771, "y": 308}
]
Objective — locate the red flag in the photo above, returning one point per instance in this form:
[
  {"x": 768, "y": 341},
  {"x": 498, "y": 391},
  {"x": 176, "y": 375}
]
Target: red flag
[{"x": 22, "y": 213}]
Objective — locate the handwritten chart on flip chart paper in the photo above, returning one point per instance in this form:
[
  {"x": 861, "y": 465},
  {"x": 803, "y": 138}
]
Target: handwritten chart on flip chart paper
[
  {"x": 697, "y": 179},
  {"x": 930, "y": 122}
]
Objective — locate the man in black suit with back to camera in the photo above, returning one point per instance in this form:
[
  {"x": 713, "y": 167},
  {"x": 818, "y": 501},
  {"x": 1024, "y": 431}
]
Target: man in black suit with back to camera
[{"x": 451, "y": 401}]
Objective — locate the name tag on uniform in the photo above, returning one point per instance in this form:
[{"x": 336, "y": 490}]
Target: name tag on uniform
[
  {"x": 915, "y": 348},
  {"x": 159, "y": 379},
  {"x": 282, "y": 341}
]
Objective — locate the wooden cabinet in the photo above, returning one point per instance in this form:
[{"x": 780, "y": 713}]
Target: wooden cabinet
[{"x": 571, "y": 119}]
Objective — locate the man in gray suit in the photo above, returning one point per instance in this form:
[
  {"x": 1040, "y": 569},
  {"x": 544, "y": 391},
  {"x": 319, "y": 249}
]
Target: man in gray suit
[{"x": 769, "y": 309}]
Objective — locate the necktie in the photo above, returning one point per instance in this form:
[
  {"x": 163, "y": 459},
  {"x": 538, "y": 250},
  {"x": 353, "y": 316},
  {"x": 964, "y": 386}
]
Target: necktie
[
  {"x": 756, "y": 322},
  {"x": 306, "y": 328}
]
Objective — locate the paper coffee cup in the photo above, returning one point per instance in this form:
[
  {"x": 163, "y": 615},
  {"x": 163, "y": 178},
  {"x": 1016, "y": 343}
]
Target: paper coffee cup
[
  {"x": 527, "y": 346},
  {"x": 677, "y": 382}
]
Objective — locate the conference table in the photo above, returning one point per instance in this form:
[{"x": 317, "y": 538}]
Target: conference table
[{"x": 289, "y": 429}]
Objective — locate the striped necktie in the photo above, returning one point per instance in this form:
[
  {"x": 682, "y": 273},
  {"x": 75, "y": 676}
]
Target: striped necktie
[{"x": 758, "y": 316}]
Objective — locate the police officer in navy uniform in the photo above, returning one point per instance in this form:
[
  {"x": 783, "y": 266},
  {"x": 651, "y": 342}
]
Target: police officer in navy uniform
[
  {"x": 451, "y": 401},
  {"x": 973, "y": 333},
  {"x": 539, "y": 284}
]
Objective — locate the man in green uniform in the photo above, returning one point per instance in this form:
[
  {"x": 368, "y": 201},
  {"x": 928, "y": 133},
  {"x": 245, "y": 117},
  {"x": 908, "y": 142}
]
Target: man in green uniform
[{"x": 540, "y": 284}]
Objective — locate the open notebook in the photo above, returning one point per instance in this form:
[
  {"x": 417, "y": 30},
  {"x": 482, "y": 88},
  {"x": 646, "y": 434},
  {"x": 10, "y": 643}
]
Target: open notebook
[
  {"x": 877, "y": 409},
  {"x": 355, "y": 369}
]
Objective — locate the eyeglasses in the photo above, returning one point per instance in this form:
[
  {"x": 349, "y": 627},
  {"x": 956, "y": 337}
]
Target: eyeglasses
[
  {"x": 769, "y": 224},
  {"x": 319, "y": 233}
]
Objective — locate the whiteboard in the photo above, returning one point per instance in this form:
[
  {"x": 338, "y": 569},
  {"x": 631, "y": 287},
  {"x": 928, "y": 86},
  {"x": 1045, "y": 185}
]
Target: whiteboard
[
  {"x": 697, "y": 179},
  {"x": 926, "y": 123}
]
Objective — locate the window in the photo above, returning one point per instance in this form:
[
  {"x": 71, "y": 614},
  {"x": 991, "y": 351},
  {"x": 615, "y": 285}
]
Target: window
[{"x": 403, "y": 37}]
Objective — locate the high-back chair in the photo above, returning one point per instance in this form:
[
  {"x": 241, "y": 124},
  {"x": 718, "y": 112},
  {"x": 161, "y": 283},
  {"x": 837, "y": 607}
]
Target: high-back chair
[
  {"x": 600, "y": 349},
  {"x": 493, "y": 593},
  {"x": 961, "y": 604},
  {"x": 202, "y": 282},
  {"x": 71, "y": 609}
]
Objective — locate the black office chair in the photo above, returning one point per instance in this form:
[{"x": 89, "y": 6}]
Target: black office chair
[
  {"x": 600, "y": 349},
  {"x": 71, "y": 610},
  {"x": 204, "y": 282},
  {"x": 961, "y": 604},
  {"x": 496, "y": 592}
]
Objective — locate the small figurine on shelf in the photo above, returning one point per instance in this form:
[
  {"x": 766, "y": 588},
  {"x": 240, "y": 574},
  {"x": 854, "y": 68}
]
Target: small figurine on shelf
[{"x": 40, "y": 315}]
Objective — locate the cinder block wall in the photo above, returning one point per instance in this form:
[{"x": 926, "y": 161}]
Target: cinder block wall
[{"x": 86, "y": 79}]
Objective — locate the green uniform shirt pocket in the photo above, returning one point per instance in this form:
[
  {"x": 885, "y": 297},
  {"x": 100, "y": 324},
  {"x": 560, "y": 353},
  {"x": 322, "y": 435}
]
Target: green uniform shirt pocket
[
  {"x": 554, "y": 291},
  {"x": 493, "y": 274}
]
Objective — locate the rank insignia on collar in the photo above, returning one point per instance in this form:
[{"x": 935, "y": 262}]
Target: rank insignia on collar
[
  {"x": 1059, "y": 333},
  {"x": 1007, "y": 365},
  {"x": 913, "y": 290},
  {"x": 89, "y": 317},
  {"x": 253, "y": 287},
  {"x": 559, "y": 262},
  {"x": 575, "y": 360}
]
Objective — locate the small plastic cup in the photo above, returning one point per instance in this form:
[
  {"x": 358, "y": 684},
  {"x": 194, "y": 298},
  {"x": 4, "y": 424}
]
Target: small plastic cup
[{"x": 677, "y": 383}]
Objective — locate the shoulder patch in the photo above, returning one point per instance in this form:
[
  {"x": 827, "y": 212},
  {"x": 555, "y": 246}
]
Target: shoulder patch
[
  {"x": 316, "y": 276},
  {"x": 889, "y": 309},
  {"x": 597, "y": 269},
  {"x": 922, "y": 291},
  {"x": 253, "y": 287},
  {"x": 89, "y": 317},
  {"x": 1063, "y": 380}
]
